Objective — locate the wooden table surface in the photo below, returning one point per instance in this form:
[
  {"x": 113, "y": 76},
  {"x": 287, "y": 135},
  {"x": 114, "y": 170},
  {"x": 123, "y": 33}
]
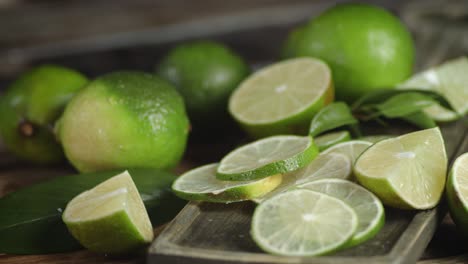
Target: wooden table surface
[{"x": 22, "y": 34}]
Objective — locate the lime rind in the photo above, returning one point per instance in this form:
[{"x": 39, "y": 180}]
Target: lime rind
[
  {"x": 303, "y": 223},
  {"x": 375, "y": 138},
  {"x": 200, "y": 184},
  {"x": 369, "y": 209},
  {"x": 325, "y": 166},
  {"x": 110, "y": 218},
  {"x": 325, "y": 141},
  {"x": 266, "y": 157},
  {"x": 406, "y": 172}
]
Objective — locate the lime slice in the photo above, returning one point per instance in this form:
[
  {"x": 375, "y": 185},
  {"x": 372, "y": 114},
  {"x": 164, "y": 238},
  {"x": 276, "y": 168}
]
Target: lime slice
[
  {"x": 351, "y": 149},
  {"x": 457, "y": 193},
  {"x": 325, "y": 166},
  {"x": 200, "y": 184},
  {"x": 330, "y": 139},
  {"x": 302, "y": 223},
  {"x": 406, "y": 172},
  {"x": 375, "y": 138},
  {"x": 267, "y": 157},
  {"x": 110, "y": 218},
  {"x": 282, "y": 98},
  {"x": 369, "y": 209},
  {"x": 448, "y": 79}
]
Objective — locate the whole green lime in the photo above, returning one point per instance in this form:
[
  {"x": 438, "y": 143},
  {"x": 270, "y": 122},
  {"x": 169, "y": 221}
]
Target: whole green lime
[
  {"x": 205, "y": 73},
  {"x": 124, "y": 119},
  {"x": 366, "y": 47},
  {"x": 29, "y": 108}
]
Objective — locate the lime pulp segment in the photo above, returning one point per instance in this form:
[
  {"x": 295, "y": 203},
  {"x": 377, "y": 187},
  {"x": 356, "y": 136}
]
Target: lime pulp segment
[
  {"x": 406, "y": 172},
  {"x": 200, "y": 184},
  {"x": 266, "y": 157},
  {"x": 366, "y": 205},
  {"x": 325, "y": 166},
  {"x": 110, "y": 218},
  {"x": 302, "y": 223}
]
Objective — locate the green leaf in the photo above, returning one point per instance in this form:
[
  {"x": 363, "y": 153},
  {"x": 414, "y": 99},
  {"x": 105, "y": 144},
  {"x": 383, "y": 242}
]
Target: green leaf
[
  {"x": 380, "y": 96},
  {"x": 404, "y": 104},
  {"x": 420, "y": 119},
  {"x": 30, "y": 219},
  {"x": 330, "y": 117}
]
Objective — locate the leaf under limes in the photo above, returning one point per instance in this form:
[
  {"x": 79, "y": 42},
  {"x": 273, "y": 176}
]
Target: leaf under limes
[
  {"x": 420, "y": 119},
  {"x": 404, "y": 104},
  {"x": 30, "y": 219},
  {"x": 332, "y": 116}
]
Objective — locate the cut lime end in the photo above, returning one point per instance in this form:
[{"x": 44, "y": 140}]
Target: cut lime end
[
  {"x": 366, "y": 205},
  {"x": 282, "y": 97},
  {"x": 330, "y": 139},
  {"x": 267, "y": 157},
  {"x": 351, "y": 149},
  {"x": 450, "y": 80},
  {"x": 457, "y": 193},
  {"x": 200, "y": 184},
  {"x": 406, "y": 172},
  {"x": 110, "y": 218},
  {"x": 302, "y": 223},
  {"x": 325, "y": 166}
]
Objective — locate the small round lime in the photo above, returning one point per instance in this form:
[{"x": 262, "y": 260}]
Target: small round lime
[
  {"x": 205, "y": 73},
  {"x": 124, "y": 119},
  {"x": 366, "y": 47},
  {"x": 29, "y": 108}
]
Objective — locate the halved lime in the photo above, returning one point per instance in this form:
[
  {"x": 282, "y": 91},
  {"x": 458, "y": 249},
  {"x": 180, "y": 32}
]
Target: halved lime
[
  {"x": 457, "y": 193},
  {"x": 369, "y": 209},
  {"x": 450, "y": 80},
  {"x": 282, "y": 98},
  {"x": 375, "y": 138},
  {"x": 200, "y": 184},
  {"x": 302, "y": 223},
  {"x": 325, "y": 166},
  {"x": 330, "y": 139},
  {"x": 267, "y": 157},
  {"x": 406, "y": 172},
  {"x": 110, "y": 218},
  {"x": 351, "y": 149}
]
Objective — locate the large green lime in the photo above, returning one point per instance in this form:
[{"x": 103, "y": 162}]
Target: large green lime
[
  {"x": 366, "y": 47},
  {"x": 124, "y": 119},
  {"x": 29, "y": 108},
  {"x": 205, "y": 73}
]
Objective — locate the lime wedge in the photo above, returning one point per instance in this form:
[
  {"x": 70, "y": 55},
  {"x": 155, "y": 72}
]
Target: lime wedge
[
  {"x": 351, "y": 149},
  {"x": 330, "y": 139},
  {"x": 267, "y": 157},
  {"x": 457, "y": 193},
  {"x": 110, "y": 218},
  {"x": 325, "y": 166},
  {"x": 200, "y": 184},
  {"x": 375, "y": 138},
  {"x": 451, "y": 81},
  {"x": 406, "y": 172},
  {"x": 282, "y": 98},
  {"x": 369, "y": 209},
  {"x": 302, "y": 223}
]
